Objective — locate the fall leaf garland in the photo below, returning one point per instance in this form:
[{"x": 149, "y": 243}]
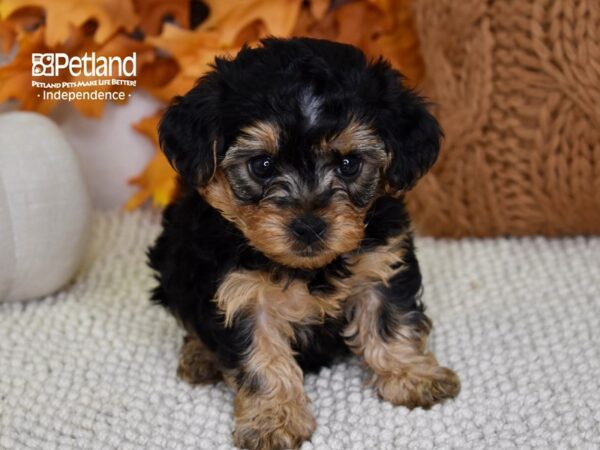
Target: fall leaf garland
[
  {"x": 172, "y": 53},
  {"x": 61, "y": 15}
]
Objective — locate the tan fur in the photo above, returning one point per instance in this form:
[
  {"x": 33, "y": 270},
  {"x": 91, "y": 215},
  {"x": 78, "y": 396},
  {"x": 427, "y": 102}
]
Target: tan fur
[
  {"x": 376, "y": 264},
  {"x": 271, "y": 422},
  {"x": 197, "y": 364},
  {"x": 277, "y": 416},
  {"x": 356, "y": 136},
  {"x": 273, "y": 413},
  {"x": 281, "y": 303},
  {"x": 254, "y": 292},
  {"x": 404, "y": 372},
  {"x": 219, "y": 195},
  {"x": 262, "y": 136},
  {"x": 346, "y": 226},
  {"x": 271, "y": 408},
  {"x": 266, "y": 226}
]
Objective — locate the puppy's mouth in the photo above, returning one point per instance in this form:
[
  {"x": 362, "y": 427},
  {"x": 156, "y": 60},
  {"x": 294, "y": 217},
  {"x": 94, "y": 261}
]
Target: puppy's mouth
[
  {"x": 308, "y": 257},
  {"x": 302, "y": 255},
  {"x": 308, "y": 251}
]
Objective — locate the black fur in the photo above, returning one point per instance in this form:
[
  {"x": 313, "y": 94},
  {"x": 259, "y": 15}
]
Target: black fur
[
  {"x": 198, "y": 247},
  {"x": 265, "y": 84}
]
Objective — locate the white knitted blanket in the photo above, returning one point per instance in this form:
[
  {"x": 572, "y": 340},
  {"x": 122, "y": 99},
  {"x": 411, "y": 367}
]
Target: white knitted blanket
[{"x": 518, "y": 319}]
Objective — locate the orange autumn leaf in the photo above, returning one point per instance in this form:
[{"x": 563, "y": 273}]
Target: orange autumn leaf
[
  {"x": 229, "y": 25},
  {"x": 366, "y": 25},
  {"x": 229, "y": 18},
  {"x": 158, "y": 180},
  {"x": 250, "y": 35},
  {"x": 157, "y": 74},
  {"x": 153, "y": 13},
  {"x": 157, "y": 183},
  {"x": 110, "y": 16},
  {"x": 357, "y": 23},
  {"x": 383, "y": 5},
  {"x": 318, "y": 8},
  {"x": 399, "y": 42},
  {"x": 24, "y": 20},
  {"x": 193, "y": 51},
  {"x": 8, "y": 35}
]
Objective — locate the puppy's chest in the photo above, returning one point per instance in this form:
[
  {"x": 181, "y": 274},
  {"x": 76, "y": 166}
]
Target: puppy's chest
[
  {"x": 301, "y": 301},
  {"x": 283, "y": 300}
]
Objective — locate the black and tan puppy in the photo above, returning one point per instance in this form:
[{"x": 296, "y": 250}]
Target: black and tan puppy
[{"x": 289, "y": 242}]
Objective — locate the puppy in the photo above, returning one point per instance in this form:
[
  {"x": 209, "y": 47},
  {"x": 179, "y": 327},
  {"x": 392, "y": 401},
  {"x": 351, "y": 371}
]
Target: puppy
[{"x": 289, "y": 243}]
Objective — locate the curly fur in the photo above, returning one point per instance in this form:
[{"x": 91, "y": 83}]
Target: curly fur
[{"x": 262, "y": 306}]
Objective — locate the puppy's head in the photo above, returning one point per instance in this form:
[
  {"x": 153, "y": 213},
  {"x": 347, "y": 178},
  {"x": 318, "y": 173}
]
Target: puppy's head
[{"x": 294, "y": 140}]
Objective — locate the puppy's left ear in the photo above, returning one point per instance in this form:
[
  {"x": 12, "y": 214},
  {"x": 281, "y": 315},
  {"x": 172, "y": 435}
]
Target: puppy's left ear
[
  {"x": 411, "y": 134},
  {"x": 189, "y": 132}
]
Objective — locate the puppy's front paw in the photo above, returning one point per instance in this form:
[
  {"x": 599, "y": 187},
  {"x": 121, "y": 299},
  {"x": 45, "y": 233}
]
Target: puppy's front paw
[
  {"x": 423, "y": 385},
  {"x": 197, "y": 365},
  {"x": 277, "y": 428}
]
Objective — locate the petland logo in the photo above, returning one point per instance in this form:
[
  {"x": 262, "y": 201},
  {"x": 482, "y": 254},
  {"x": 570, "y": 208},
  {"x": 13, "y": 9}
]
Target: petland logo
[
  {"x": 52, "y": 64},
  {"x": 88, "y": 77}
]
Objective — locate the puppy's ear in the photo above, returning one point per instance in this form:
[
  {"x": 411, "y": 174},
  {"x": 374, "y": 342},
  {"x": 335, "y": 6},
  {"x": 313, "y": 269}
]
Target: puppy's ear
[
  {"x": 410, "y": 133},
  {"x": 189, "y": 133}
]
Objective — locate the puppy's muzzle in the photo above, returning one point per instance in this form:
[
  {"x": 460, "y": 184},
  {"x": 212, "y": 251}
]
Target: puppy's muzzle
[{"x": 308, "y": 229}]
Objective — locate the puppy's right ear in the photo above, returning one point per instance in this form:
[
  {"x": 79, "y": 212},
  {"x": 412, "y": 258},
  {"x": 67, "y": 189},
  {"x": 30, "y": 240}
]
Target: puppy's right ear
[{"x": 189, "y": 134}]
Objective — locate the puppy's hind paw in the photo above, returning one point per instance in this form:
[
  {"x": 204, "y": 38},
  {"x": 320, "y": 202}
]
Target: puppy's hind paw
[{"x": 419, "y": 386}]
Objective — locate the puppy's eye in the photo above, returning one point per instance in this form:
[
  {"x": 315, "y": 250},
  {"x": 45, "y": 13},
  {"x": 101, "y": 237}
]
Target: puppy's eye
[
  {"x": 261, "y": 167},
  {"x": 349, "y": 166}
]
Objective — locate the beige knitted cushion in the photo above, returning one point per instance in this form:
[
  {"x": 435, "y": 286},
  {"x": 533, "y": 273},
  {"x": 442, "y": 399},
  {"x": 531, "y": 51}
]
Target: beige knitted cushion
[{"x": 517, "y": 88}]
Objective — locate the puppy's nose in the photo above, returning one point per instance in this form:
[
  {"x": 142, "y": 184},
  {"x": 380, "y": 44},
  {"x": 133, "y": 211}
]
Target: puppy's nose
[{"x": 308, "y": 229}]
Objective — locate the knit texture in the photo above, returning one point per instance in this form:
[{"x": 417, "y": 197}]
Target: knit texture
[
  {"x": 94, "y": 366},
  {"x": 517, "y": 89}
]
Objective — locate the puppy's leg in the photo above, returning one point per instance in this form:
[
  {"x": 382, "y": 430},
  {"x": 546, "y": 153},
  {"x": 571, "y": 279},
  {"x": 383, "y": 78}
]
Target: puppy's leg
[
  {"x": 393, "y": 345},
  {"x": 389, "y": 329},
  {"x": 197, "y": 364},
  {"x": 271, "y": 409}
]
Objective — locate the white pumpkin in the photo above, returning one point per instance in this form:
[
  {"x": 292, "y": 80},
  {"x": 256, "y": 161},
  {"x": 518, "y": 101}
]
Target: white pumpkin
[{"x": 45, "y": 210}]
